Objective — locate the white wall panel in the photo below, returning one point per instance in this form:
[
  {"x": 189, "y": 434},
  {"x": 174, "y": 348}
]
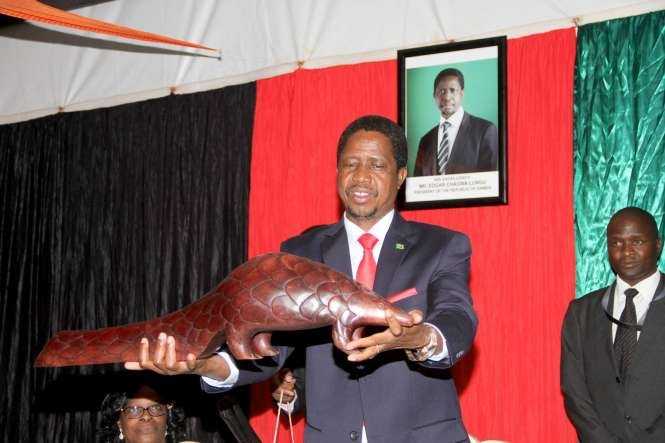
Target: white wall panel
[{"x": 44, "y": 69}]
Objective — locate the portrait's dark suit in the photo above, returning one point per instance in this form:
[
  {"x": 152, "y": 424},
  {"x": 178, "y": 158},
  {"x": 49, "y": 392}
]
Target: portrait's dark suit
[
  {"x": 476, "y": 149},
  {"x": 603, "y": 407},
  {"x": 398, "y": 400}
]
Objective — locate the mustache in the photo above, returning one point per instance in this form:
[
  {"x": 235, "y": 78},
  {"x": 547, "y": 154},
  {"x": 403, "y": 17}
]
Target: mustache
[{"x": 357, "y": 188}]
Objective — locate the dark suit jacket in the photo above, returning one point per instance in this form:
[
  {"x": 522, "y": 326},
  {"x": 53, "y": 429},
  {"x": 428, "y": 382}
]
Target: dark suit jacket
[
  {"x": 397, "y": 400},
  {"x": 603, "y": 407},
  {"x": 476, "y": 149}
]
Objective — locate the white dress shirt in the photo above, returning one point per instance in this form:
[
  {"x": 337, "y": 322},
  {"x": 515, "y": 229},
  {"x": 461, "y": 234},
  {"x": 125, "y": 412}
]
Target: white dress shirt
[
  {"x": 646, "y": 290},
  {"x": 356, "y": 252}
]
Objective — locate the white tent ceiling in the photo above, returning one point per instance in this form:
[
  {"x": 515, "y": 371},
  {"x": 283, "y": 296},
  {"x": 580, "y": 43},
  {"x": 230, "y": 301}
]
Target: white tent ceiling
[{"x": 45, "y": 70}]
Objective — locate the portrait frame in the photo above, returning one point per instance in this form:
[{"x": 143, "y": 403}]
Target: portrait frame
[{"x": 474, "y": 165}]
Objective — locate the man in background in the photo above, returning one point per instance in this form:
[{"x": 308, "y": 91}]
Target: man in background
[
  {"x": 460, "y": 143},
  {"x": 613, "y": 342}
]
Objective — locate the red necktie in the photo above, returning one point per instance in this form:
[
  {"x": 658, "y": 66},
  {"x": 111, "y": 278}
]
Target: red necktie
[{"x": 367, "y": 267}]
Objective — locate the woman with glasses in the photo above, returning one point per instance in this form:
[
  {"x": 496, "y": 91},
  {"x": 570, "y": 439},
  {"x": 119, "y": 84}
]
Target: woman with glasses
[{"x": 140, "y": 416}]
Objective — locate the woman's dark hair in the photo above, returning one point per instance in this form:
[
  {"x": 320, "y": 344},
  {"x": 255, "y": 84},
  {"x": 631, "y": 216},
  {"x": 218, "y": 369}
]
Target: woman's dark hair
[{"x": 110, "y": 414}]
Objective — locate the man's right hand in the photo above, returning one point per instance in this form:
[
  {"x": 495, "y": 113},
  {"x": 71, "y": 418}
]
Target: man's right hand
[{"x": 163, "y": 361}]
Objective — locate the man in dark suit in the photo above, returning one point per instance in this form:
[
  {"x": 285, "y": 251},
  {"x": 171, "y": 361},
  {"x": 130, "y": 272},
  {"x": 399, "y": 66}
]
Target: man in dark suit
[
  {"x": 460, "y": 143},
  {"x": 613, "y": 342},
  {"x": 379, "y": 392}
]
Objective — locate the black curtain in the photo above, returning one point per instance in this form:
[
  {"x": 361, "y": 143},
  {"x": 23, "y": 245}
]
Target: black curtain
[{"x": 107, "y": 217}]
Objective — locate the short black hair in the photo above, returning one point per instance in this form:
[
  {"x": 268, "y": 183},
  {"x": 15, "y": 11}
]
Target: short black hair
[
  {"x": 380, "y": 124},
  {"x": 449, "y": 72},
  {"x": 634, "y": 211}
]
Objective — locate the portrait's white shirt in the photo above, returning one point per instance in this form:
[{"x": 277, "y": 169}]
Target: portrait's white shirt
[
  {"x": 455, "y": 121},
  {"x": 646, "y": 290}
]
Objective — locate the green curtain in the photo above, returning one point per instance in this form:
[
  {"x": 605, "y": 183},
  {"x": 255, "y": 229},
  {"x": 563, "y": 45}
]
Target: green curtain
[{"x": 619, "y": 133}]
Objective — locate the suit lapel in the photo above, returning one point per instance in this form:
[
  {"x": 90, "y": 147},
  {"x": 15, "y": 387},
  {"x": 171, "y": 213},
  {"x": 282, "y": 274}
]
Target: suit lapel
[
  {"x": 660, "y": 290},
  {"x": 652, "y": 330},
  {"x": 432, "y": 148},
  {"x": 335, "y": 249},
  {"x": 395, "y": 247},
  {"x": 607, "y": 304},
  {"x": 335, "y": 252},
  {"x": 462, "y": 155}
]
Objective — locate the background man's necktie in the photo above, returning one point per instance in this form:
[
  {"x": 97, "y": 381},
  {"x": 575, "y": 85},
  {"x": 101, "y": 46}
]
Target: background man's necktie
[
  {"x": 367, "y": 267},
  {"x": 625, "y": 341},
  {"x": 443, "y": 154}
]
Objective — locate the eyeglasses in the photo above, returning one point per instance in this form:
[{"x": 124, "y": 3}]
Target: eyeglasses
[{"x": 155, "y": 410}]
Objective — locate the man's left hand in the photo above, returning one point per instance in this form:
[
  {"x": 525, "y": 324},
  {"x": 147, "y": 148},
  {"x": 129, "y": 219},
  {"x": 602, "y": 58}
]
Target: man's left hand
[{"x": 395, "y": 336}]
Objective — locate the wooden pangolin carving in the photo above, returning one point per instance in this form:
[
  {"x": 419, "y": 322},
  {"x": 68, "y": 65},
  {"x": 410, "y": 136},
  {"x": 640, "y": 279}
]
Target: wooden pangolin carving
[{"x": 272, "y": 292}]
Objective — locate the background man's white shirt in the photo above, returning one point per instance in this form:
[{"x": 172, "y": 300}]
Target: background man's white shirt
[{"x": 646, "y": 290}]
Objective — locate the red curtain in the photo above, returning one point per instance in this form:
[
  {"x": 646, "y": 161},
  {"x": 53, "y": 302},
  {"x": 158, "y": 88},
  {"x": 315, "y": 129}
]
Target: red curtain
[{"x": 523, "y": 259}]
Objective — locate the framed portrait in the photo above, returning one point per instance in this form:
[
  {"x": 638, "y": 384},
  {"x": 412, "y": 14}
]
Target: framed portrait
[{"x": 452, "y": 106}]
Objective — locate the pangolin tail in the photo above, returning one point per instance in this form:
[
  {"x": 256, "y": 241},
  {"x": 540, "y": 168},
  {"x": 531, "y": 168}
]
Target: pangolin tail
[{"x": 121, "y": 343}]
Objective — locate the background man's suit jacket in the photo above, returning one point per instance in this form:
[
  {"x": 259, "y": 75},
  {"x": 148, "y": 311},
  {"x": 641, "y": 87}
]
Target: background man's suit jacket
[
  {"x": 603, "y": 407},
  {"x": 476, "y": 149},
  {"x": 398, "y": 400}
]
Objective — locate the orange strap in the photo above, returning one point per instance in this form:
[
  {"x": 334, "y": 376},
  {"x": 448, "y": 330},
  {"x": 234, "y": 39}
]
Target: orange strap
[{"x": 36, "y": 11}]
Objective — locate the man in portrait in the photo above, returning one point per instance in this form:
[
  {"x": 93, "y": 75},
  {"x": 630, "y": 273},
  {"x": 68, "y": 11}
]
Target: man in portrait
[{"x": 460, "y": 143}]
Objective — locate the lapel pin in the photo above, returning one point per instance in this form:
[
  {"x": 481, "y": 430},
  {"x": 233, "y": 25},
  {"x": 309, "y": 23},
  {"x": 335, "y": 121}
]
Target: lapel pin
[{"x": 399, "y": 246}]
